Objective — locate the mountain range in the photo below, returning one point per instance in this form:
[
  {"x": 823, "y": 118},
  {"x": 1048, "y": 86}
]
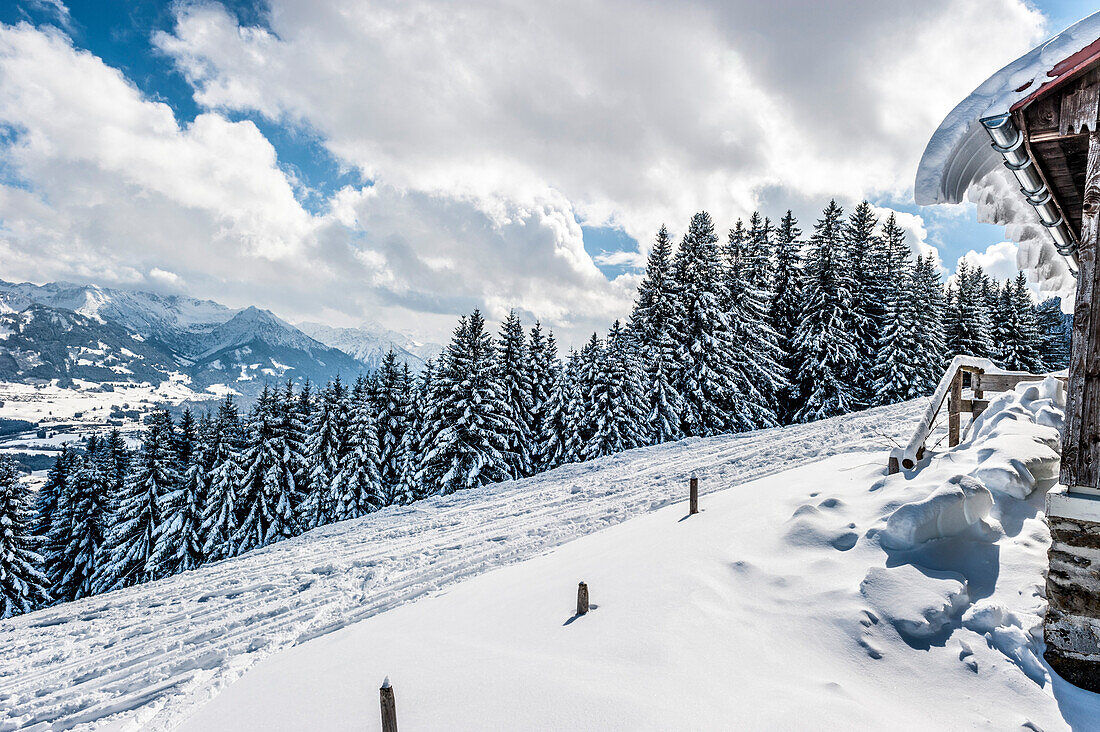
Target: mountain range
[{"x": 68, "y": 331}]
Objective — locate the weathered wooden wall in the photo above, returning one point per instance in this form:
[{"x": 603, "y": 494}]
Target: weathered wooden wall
[{"x": 1081, "y": 438}]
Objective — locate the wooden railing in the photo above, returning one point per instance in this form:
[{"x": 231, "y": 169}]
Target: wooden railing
[{"x": 984, "y": 376}]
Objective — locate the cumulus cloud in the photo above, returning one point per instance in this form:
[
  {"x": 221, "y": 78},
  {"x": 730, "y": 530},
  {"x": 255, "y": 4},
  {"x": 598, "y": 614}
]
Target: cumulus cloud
[{"x": 488, "y": 130}]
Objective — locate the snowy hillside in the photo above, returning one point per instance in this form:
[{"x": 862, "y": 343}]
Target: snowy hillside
[
  {"x": 824, "y": 597},
  {"x": 153, "y": 653}
]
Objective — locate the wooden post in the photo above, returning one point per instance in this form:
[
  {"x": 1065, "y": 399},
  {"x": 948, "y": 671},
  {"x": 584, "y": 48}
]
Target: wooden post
[
  {"x": 582, "y": 599},
  {"x": 694, "y": 495},
  {"x": 892, "y": 467},
  {"x": 953, "y": 404},
  {"x": 389, "y": 707},
  {"x": 1081, "y": 437}
]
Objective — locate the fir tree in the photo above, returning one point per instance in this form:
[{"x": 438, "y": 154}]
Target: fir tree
[
  {"x": 220, "y": 513},
  {"x": 23, "y": 587},
  {"x": 82, "y": 536},
  {"x": 784, "y": 310},
  {"x": 863, "y": 256},
  {"x": 471, "y": 447},
  {"x": 391, "y": 402},
  {"x": 181, "y": 542},
  {"x": 755, "y": 360},
  {"x": 513, "y": 369},
  {"x": 966, "y": 318},
  {"x": 423, "y": 427},
  {"x": 137, "y": 517},
  {"x": 897, "y": 373},
  {"x": 928, "y": 354},
  {"x": 1019, "y": 331},
  {"x": 615, "y": 405},
  {"x": 652, "y": 324},
  {"x": 823, "y": 341},
  {"x": 1054, "y": 334},
  {"x": 542, "y": 376},
  {"x": 267, "y": 489},
  {"x": 54, "y": 519},
  {"x": 327, "y": 448},
  {"x": 701, "y": 331},
  {"x": 359, "y": 482},
  {"x": 572, "y": 416}
]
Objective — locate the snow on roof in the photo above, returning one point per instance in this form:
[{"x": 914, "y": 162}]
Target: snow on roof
[
  {"x": 959, "y": 161},
  {"x": 959, "y": 153}
]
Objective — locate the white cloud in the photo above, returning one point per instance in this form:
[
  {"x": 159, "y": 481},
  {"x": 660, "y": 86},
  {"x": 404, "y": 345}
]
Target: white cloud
[
  {"x": 489, "y": 129},
  {"x": 998, "y": 260},
  {"x": 636, "y": 113}
]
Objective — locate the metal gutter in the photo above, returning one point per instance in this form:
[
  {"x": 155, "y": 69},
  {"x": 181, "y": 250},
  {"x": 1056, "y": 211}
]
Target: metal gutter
[{"x": 1008, "y": 141}]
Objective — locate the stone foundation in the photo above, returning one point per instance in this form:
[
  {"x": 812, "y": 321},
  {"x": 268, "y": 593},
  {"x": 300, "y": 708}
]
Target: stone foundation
[{"x": 1071, "y": 628}]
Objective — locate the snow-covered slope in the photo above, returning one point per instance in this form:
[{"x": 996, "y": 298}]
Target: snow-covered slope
[
  {"x": 153, "y": 654},
  {"x": 824, "y": 597}
]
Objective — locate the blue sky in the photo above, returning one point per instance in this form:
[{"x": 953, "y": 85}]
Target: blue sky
[{"x": 526, "y": 203}]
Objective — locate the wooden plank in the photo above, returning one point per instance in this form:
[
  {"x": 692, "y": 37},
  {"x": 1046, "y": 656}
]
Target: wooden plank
[
  {"x": 954, "y": 403},
  {"x": 1007, "y": 382},
  {"x": 1079, "y": 110},
  {"x": 1081, "y": 437}
]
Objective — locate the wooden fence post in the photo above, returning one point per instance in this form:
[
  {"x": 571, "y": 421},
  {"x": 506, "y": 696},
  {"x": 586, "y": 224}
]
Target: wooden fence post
[
  {"x": 389, "y": 707},
  {"x": 953, "y": 405},
  {"x": 582, "y": 599},
  {"x": 693, "y": 489}
]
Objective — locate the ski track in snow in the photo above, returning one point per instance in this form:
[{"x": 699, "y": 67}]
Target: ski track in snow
[{"x": 149, "y": 654}]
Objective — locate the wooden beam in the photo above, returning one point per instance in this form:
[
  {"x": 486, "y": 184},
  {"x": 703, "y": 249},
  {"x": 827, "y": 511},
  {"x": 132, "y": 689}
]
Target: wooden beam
[
  {"x": 1081, "y": 438},
  {"x": 1006, "y": 382},
  {"x": 953, "y": 406}
]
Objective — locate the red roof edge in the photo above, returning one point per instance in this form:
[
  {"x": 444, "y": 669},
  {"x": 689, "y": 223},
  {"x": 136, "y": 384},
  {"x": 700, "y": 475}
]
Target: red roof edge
[{"x": 1063, "y": 71}]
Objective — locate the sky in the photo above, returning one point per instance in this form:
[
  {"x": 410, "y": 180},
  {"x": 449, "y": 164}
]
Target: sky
[{"x": 406, "y": 161}]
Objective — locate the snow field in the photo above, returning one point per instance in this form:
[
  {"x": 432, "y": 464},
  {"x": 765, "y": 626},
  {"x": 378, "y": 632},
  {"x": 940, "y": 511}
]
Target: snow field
[
  {"x": 148, "y": 655},
  {"x": 781, "y": 606}
]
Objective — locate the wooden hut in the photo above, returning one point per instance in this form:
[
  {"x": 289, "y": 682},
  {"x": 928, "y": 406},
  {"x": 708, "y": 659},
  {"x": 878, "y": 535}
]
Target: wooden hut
[{"x": 1036, "y": 123}]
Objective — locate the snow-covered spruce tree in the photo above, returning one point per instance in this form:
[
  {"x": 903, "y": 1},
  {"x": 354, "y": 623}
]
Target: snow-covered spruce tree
[
  {"x": 823, "y": 342},
  {"x": 90, "y": 514},
  {"x": 220, "y": 519},
  {"x": 758, "y": 377},
  {"x": 784, "y": 310},
  {"x": 303, "y": 415},
  {"x": 543, "y": 369},
  {"x": 966, "y": 319},
  {"x": 391, "y": 409},
  {"x": 1054, "y": 334},
  {"x": 471, "y": 447},
  {"x": 896, "y": 374},
  {"x": 327, "y": 447},
  {"x": 567, "y": 414},
  {"x": 701, "y": 330},
  {"x": 615, "y": 402},
  {"x": 651, "y": 324},
  {"x": 53, "y": 515},
  {"x": 513, "y": 373},
  {"x": 863, "y": 252},
  {"x": 136, "y": 519},
  {"x": 754, "y": 262},
  {"x": 1019, "y": 330},
  {"x": 360, "y": 487},
  {"x": 23, "y": 586},
  {"x": 423, "y": 426},
  {"x": 118, "y": 461},
  {"x": 181, "y": 541},
  {"x": 267, "y": 490},
  {"x": 928, "y": 353}
]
